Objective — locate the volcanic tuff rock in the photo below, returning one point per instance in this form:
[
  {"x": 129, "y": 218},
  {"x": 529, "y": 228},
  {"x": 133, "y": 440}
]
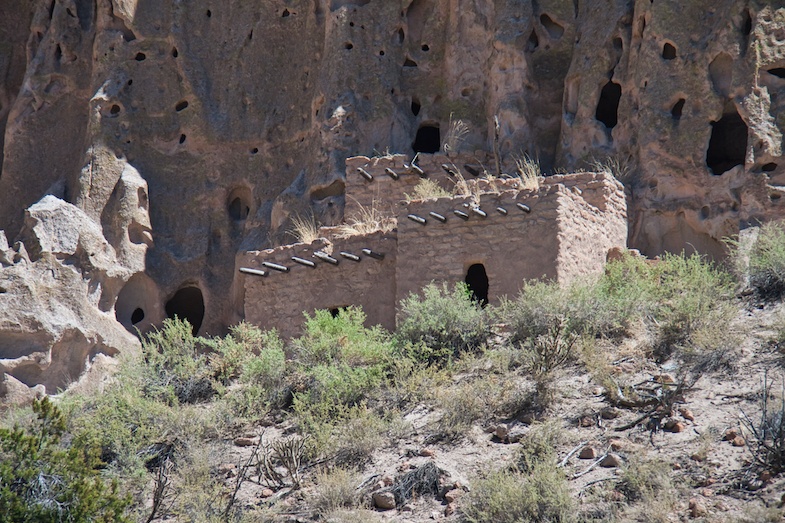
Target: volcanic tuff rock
[{"x": 239, "y": 116}]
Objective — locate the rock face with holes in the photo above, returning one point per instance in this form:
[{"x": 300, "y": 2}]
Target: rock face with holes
[
  {"x": 57, "y": 291},
  {"x": 238, "y": 117}
]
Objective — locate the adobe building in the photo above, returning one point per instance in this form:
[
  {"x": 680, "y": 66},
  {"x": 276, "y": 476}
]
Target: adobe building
[{"x": 494, "y": 239}]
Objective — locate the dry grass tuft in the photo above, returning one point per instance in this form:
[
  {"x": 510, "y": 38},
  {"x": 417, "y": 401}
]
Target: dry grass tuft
[
  {"x": 305, "y": 229},
  {"x": 529, "y": 172},
  {"x": 455, "y": 135},
  {"x": 426, "y": 189},
  {"x": 366, "y": 221}
]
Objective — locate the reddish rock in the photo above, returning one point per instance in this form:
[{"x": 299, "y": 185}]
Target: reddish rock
[
  {"x": 245, "y": 442},
  {"x": 738, "y": 441},
  {"x": 453, "y": 495},
  {"x": 428, "y": 453},
  {"x": 697, "y": 508},
  {"x": 588, "y": 452},
  {"x": 687, "y": 414},
  {"x": 384, "y": 500},
  {"x": 266, "y": 493},
  {"x": 611, "y": 461},
  {"x": 674, "y": 426},
  {"x": 730, "y": 435}
]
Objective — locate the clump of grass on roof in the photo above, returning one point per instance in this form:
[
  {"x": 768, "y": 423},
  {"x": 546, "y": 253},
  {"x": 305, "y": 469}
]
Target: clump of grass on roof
[{"x": 365, "y": 221}]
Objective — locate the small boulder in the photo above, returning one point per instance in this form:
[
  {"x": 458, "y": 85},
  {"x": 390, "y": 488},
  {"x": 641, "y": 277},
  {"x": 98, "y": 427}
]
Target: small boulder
[
  {"x": 687, "y": 414},
  {"x": 738, "y": 441},
  {"x": 384, "y": 500},
  {"x": 697, "y": 508},
  {"x": 244, "y": 442},
  {"x": 588, "y": 452},
  {"x": 611, "y": 461}
]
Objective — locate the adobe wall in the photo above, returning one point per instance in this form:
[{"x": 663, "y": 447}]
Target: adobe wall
[
  {"x": 592, "y": 220},
  {"x": 279, "y": 299},
  {"x": 512, "y": 247},
  {"x": 384, "y": 193}
]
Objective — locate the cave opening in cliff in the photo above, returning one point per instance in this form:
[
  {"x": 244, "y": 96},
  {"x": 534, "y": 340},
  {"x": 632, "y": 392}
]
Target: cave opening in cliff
[
  {"x": 668, "y": 51},
  {"x": 608, "y": 106},
  {"x": 728, "y": 143},
  {"x": 137, "y": 315},
  {"x": 678, "y": 109},
  {"x": 428, "y": 139},
  {"x": 239, "y": 203},
  {"x": 187, "y": 304},
  {"x": 477, "y": 281},
  {"x": 415, "y": 106}
]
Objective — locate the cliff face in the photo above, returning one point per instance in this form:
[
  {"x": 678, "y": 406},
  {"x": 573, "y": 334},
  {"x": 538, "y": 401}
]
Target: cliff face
[{"x": 239, "y": 115}]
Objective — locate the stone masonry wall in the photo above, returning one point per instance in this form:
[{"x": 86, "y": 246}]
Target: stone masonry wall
[
  {"x": 279, "y": 299},
  {"x": 511, "y": 247}
]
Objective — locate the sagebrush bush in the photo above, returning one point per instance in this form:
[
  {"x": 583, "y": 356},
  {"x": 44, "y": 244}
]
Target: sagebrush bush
[
  {"x": 176, "y": 365},
  {"x": 541, "y": 495},
  {"x": 766, "y": 261},
  {"x": 447, "y": 321},
  {"x": 41, "y": 480},
  {"x": 337, "y": 489}
]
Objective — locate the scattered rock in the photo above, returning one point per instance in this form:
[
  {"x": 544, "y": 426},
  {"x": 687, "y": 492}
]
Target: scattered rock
[
  {"x": 699, "y": 457},
  {"x": 766, "y": 476},
  {"x": 384, "y": 500},
  {"x": 266, "y": 493},
  {"x": 453, "y": 495},
  {"x": 407, "y": 508},
  {"x": 597, "y": 391},
  {"x": 616, "y": 444},
  {"x": 502, "y": 430},
  {"x": 730, "y": 434},
  {"x": 387, "y": 480},
  {"x": 697, "y": 508},
  {"x": 516, "y": 433},
  {"x": 673, "y": 425},
  {"x": 610, "y": 413},
  {"x": 676, "y": 466},
  {"x": 738, "y": 441},
  {"x": 586, "y": 421},
  {"x": 428, "y": 453},
  {"x": 611, "y": 461},
  {"x": 244, "y": 442},
  {"x": 588, "y": 452},
  {"x": 665, "y": 379},
  {"x": 449, "y": 509},
  {"x": 687, "y": 414}
]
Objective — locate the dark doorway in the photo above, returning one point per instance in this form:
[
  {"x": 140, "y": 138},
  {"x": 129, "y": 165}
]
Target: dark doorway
[
  {"x": 728, "y": 143},
  {"x": 428, "y": 140},
  {"x": 137, "y": 315},
  {"x": 477, "y": 281},
  {"x": 187, "y": 304},
  {"x": 608, "y": 106}
]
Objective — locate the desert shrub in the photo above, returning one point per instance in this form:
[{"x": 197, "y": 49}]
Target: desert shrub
[
  {"x": 766, "y": 261},
  {"x": 262, "y": 375},
  {"x": 693, "y": 307},
  {"x": 230, "y": 352},
  {"x": 175, "y": 364},
  {"x": 539, "y": 496},
  {"x": 641, "y": 480},
  {"x": 41, "y": 480},
  {"x": 337, "y": 489},
  {"x": 446, "y": 321},
  {"x": 538, "y": 447},
  {"x": 768, "y": 429}
]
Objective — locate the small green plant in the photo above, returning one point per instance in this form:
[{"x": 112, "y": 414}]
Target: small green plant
[
  {"x": 447, "y": 321},
  {"x": 41, "y": 480},
  {"x": 619, "y": 167}
]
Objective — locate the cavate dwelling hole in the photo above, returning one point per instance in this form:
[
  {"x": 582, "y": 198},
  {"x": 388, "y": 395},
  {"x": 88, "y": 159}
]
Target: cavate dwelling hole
[
  {"x": 187, "y": 304},
  {"x": 285, "y": 13},
  {"x": 348, "y": 46},
  {"x": 401, "y": 35},
  {"x": 477, "y": 281},
  {"x": 255, "y": 150},
  {"x": 746, "y": 25},
  {"x": 425, "y": 48},
  {"x": 114, "y": 110},
  {"x": 668, "y": 51},
  {"x": 239, "y": 203},
  {"x": 705, "y": 212},
  {"x": 409, "y": 62},
  {"x": 768, "y": 167},
  {"x": 618, "y": 44},
  {"x": 137, "y": 316},
  {"x": 728, "y": 143},
  {"x": 555, "y": 31},
  {"x": 175, "y": 54},
  {"x": 335, "y": 311},
  {"x": 416, "y": 106},
  {"x": 677, "y": 109},
  {"x": 533, "y": 42},
  {"x": 608, "y": 106},
  {"x": 182, "y": 105},
  {"x": 209, "y": 14},
  {"x": 779, "y": 72},
  {"x": 182, "y": 139},
  {"x": 140, "y": 57},
  {"x": 428, "y": 139}
]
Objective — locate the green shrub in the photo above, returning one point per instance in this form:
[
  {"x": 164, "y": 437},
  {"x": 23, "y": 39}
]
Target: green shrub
[
  {"x": 43, "y": 481},
  {"x": 693, "y": 308},
  {"x": 766, "y": 261},
  {"x": 539, "y": 496},
  {"x": 337, "y": 489},
  {"x": 262, "y": 375},
  {"x": 446, "y": 321},
  {"x": 175, "y": 364}
]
